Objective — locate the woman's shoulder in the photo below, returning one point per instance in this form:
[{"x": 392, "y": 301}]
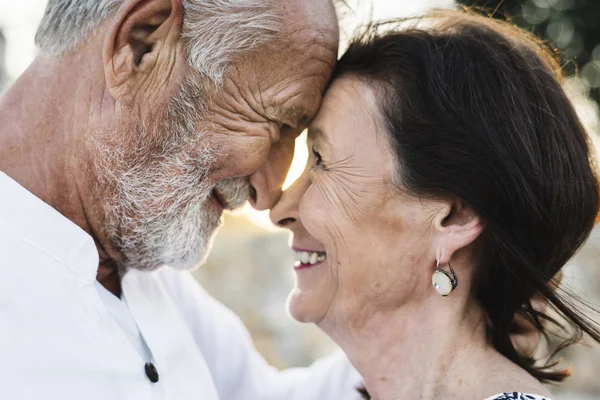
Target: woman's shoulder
[{"x": 517, "y": 396}]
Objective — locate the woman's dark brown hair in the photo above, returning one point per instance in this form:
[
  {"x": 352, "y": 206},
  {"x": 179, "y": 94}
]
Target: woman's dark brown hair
[{"x": 475, "y": 109}]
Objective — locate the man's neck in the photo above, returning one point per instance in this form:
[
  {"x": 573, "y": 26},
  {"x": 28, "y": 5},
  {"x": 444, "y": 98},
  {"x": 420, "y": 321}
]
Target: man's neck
[
  {"x": 46, "y": 115},
  {"x": 423, "y": 351}
]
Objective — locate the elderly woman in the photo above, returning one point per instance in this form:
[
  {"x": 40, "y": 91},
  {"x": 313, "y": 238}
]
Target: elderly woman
[{"x": 447, "y": 155}]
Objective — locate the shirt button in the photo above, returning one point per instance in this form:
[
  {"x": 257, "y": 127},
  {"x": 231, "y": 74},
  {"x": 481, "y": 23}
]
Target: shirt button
[{"x": 151, "y": 372}]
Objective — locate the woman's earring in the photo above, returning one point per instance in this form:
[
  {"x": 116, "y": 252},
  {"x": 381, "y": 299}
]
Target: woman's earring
[{"x": 443, "y": 281}]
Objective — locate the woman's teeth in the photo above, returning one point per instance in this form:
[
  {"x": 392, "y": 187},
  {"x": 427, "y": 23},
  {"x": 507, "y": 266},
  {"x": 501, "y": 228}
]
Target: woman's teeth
[{"x": 309, "y": 258}]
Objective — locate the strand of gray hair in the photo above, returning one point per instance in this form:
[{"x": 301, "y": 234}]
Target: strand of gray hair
[{"x": 215, "y": 31}]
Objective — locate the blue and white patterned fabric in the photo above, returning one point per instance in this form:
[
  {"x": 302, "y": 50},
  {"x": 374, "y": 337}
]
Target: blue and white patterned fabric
[{"x": 517, "y": 396}]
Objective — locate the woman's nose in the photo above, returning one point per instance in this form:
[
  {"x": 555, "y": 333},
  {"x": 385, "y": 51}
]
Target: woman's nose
[{"x": 285, "y": 213}]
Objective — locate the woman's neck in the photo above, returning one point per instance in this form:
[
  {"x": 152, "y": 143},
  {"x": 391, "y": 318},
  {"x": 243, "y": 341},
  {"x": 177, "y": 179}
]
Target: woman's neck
[{"x": 431, "y": 350}]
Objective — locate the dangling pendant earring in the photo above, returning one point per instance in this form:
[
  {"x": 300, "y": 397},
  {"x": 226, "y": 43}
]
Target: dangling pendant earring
[{"x": 443, "y": 281}]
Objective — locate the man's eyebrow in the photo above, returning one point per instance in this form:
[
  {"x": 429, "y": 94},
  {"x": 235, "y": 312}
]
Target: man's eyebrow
[{"x": 298, "y": 115}]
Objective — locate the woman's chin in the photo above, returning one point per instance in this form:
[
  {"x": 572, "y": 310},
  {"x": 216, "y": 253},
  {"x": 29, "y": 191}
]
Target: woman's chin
[{"x": 303, "y": 307}]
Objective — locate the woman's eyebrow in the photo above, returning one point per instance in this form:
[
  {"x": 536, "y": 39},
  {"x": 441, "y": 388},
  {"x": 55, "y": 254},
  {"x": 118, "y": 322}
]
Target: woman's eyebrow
[{"x": 315, "y": 133}]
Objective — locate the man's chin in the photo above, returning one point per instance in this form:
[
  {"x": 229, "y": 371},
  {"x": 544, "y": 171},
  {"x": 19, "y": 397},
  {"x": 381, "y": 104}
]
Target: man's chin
[
  {"x": 192, "y": 264},
  {"x": 182, "y": 264},
  {"x": 181, "y": 258}
]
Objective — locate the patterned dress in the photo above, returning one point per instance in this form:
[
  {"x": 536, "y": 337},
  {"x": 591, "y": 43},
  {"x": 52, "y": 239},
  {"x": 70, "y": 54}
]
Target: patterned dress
[
  {"x": 516, "y": 396},
  {"x": 502, "y": 396}
]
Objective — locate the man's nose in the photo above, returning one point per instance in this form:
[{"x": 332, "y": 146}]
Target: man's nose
[
  {"x": 267, "y": 188},
  {"x": 268, "y": 180},
  {"x": 285, "y": 213}
]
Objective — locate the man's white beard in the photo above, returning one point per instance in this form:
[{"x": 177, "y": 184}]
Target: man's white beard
[
  {"x": 161, "y": 211},
  {"x": 164, "y": 217}
]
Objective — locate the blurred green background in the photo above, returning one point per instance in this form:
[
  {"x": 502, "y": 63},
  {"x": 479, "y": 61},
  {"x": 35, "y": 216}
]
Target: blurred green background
[{"x": 571, "y": 26}]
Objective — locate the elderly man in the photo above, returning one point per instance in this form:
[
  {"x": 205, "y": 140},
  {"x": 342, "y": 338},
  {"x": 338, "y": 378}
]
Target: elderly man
[{"x": 137, "y": 124}]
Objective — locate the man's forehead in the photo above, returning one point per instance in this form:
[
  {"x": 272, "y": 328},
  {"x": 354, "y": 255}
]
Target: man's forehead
[
  {"x": 288, "y": 75},
  {"x": 294, "y": 91},
  {"x": 309, "y": 23},
  {"x": 318, "y": 13}
]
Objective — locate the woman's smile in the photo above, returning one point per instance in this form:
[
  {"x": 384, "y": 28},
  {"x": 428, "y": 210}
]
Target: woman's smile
[{"x": 308, "y": 258}]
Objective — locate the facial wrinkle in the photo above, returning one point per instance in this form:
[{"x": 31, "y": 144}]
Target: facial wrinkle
[
  {"x": 353, "y": 197},
  {"x": 235, "y": 119}
]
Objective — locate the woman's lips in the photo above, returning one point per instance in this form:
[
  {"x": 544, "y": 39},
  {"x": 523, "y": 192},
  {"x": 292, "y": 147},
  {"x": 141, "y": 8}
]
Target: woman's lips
[{"x": 308, "y": 258}]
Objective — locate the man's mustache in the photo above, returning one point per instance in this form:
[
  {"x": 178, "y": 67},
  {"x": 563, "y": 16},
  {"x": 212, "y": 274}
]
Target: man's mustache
[{"x": 233, "y": 192}]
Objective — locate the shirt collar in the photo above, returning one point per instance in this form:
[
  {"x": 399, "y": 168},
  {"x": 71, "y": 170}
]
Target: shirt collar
[{"x": 30, "y": 219}]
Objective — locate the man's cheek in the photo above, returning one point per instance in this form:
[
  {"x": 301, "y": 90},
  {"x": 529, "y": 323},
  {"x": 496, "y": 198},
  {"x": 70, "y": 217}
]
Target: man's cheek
[{"x": 240, "y": 157}]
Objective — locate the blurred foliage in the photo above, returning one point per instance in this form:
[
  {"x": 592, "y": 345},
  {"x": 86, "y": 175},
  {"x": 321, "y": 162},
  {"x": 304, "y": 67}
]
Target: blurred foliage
[{"x": 571, "y": 26}]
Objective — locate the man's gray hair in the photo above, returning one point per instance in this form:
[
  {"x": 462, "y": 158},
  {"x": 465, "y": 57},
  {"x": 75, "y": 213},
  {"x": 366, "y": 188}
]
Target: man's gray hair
[{"x": 214, "y": 30}]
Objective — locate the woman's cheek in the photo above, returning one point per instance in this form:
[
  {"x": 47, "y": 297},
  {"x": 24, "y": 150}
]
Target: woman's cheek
[{"x": 315, "y": 209}]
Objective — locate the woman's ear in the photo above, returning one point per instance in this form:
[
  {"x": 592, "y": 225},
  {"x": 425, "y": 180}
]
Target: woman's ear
[
  {"x": 142, "y": 44},
  {"x": 456, "y": 226}
]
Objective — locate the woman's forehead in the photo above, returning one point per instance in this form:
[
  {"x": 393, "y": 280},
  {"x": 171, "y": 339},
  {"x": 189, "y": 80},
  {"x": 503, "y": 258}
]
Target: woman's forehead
[{"x": 349, "y": 105}]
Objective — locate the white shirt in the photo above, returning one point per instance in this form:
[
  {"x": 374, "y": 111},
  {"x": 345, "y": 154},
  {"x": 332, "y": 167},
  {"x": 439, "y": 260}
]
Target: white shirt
[
  {"x": 59, "y": 339},
  {"x": 120, "y": 311}
]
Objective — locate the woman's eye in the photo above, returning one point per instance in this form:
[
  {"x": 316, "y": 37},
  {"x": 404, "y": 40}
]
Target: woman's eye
[{"x": 319, "y": 159}]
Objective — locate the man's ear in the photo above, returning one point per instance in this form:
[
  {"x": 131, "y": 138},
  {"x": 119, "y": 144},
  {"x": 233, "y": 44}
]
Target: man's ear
[
  {"x": 457, "y": 226},
  {"x": 143, "y": 39}
]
